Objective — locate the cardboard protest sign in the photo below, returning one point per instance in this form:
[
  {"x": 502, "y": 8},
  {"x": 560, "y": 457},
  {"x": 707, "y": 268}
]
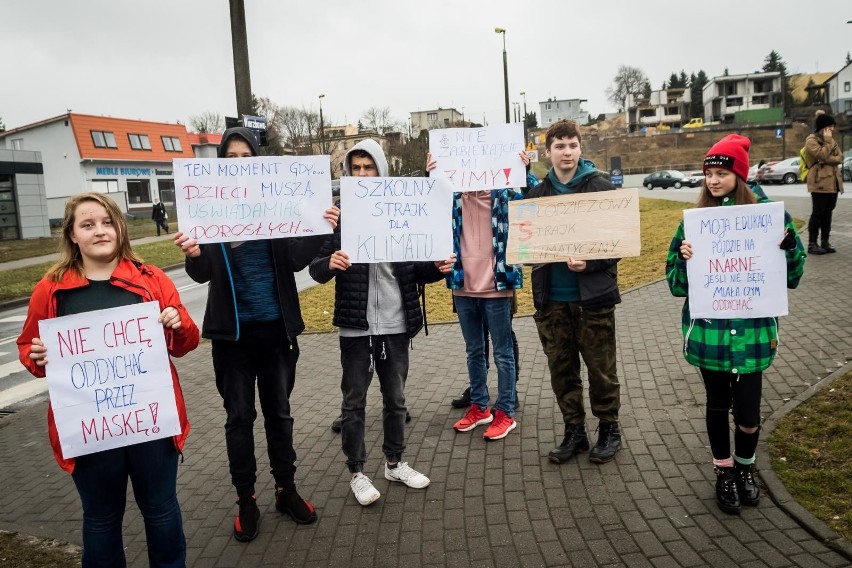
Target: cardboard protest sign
[
  {"x": 737, "y": 269},
  {"x": 582, "y": 226},
  {"x": 109, "y": 378},
  {"x": 264, "y": 197},
  {"x": 474, "y": 159},
  {"x": 396, "y": 219}
]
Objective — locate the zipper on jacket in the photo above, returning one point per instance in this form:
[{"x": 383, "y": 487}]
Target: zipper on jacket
[
  {"x": 686, "y": 336},
  {"x": 233, "y": 291}
]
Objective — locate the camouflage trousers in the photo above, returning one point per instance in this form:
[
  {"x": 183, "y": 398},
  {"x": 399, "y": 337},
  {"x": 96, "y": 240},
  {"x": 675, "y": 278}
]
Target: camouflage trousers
[{"x": 567, "y": 331}]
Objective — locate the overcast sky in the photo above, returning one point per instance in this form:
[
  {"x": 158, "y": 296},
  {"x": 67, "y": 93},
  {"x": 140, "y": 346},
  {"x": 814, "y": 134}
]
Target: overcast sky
[{"x": 166, "y": 60}]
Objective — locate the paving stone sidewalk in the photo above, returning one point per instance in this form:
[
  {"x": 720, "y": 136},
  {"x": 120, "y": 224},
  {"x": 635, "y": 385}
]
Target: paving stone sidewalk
[{"x": 490, "y": 504}]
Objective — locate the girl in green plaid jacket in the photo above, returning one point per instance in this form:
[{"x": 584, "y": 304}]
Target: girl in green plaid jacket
[{"x": 731, "y": 354}]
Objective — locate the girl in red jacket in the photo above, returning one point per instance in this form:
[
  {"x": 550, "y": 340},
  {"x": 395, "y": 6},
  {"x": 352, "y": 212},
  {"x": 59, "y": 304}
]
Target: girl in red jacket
[{"x": 97, "y": 269}]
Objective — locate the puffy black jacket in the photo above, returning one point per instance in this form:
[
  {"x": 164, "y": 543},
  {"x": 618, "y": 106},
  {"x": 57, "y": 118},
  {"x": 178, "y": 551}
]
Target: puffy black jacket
[
  {"x": 598, "y": 284},
  {"x": 220, "y": 318},
  {"x": 351, "y": 287}
]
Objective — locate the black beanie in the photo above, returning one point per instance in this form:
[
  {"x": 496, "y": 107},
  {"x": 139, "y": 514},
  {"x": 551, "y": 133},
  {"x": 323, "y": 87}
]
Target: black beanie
[{"x": 823, "y": 120}]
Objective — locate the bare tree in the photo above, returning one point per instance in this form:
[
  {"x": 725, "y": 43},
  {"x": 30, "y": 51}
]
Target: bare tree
[
  {"x": 379, "y": 119},
  {"x": 207, "y": 122},
  {"x": 267, "y": 109},
  {"x": 627, "y": 81},
  {"x": 299, "y": 129}
]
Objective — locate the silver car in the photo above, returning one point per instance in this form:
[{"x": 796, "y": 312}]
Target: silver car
[{"x": 785, "y": 171}]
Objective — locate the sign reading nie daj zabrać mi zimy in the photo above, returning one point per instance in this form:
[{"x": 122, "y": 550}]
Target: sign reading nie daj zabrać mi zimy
[{"x": 582, "y": 226}]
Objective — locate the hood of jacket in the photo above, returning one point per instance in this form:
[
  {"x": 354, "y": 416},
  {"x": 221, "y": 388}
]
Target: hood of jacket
[
  {"x": 585, "y": 168},
  {"x": 243, "y": 133},
  {"x": 371, "y": 147}
]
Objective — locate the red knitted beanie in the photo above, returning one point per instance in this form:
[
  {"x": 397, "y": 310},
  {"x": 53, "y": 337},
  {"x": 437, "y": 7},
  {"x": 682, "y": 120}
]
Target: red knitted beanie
[{"x": 730, "y": 153}]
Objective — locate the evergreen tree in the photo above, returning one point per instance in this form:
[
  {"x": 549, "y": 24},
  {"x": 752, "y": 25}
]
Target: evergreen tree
[
  {"x": 773, "y": 62},
  {"x": 646, "y": 89},
  {"x": 696, "y": 92},
  {"x": 848, "y": 58},
  {"x": 684, "y": 80},
  {"x": 531, "y": 120}
]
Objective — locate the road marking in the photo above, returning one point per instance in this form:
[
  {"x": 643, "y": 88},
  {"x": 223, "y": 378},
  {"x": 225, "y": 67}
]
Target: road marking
[
  {"x": 29, "y": 389},
  {"x": 189, "y": 286},
  {"x": 13, "y": 319},
  {"x": 8, "y": 340}
]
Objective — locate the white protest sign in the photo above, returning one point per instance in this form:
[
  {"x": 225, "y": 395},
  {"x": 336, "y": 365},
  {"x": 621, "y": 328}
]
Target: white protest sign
[
  {"x": 583, "y": 226},
  {"x": 264, "y": 197},
  {"x": 109, "y": 379},
  {"x": 737, "y": 269},
  {"x": 396, "y": 219},
  {"x": 474, "y": 159}
]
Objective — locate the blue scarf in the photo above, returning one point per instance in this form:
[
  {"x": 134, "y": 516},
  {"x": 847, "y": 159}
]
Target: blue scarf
[{"x": 585, "y": 168}]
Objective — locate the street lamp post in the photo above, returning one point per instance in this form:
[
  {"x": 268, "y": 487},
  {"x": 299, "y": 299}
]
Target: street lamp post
[
  {"x": 322, "y": 126},
  {"x": 517, "y": 111},
  {"x": 505, "y": 72}
]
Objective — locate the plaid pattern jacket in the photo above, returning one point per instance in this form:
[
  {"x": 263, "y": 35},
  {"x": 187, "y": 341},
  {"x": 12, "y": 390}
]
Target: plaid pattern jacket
[
  {"x": 506, "y": 276},
  {"x": 733, "y": 345}
]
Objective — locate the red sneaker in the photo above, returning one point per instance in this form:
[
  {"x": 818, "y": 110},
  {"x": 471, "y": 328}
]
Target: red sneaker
[
  {"x": 474, "y": 416},
  {"x": 502, "y": 425}
]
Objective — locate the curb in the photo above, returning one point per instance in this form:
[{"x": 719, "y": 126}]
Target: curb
[{"x": 776, "y": 489}]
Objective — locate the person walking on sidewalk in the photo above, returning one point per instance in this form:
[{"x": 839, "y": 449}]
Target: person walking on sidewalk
[
  {"x": 253, "y": 318},
  {"x": 575, "y": 313},
  {"x": 731, "y": 354},
  {"x": 96, "y": 270},
  {"x": 483, "y": 284},
  {"x": 159, "y": 215},
  {"x": 377, "y": 309},
  {"x": 825, "y": 181}
]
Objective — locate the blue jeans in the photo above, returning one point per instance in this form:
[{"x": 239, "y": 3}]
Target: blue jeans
[
  {"x": 101, "y": 481},
  {"x": 496, "y": 315},
  {"x": 359, "y": 356},
  {"x": 262, "y": 354}
]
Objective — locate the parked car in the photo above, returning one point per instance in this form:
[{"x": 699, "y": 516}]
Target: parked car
[
  {"x": 785, "y": 171},
  {"x": 694, "y": 179},
  {"x": 846, "y": 169},
  {"x": 665, "y": 179},
  {"x": 695, "y": 123}
]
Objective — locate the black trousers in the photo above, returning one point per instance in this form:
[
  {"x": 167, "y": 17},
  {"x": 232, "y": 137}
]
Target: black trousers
[
  {"x": 262, "y": 354},
  {"x": 819, "y": 224}
]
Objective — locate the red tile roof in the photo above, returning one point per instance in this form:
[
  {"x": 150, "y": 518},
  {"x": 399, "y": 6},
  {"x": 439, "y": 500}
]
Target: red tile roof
[{"x": 84, "y": 124}]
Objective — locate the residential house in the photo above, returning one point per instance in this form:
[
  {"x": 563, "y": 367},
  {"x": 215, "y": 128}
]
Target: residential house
[
  {"x": 553, "y": 110},
  {"x": 840, "y": 91},
  {"x": 727, "y": 95},
  {"x": 663, "y": 108},
  {"x": 438, "y": 118}
]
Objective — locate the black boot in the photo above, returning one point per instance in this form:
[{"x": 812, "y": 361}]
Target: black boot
[
  {"x": 747, "y": 487},
  {"x": 337, "y": 424},
  {"x": 826, "y": 246},
  {"x": 726, "y": 490},
  {"x": 463, "y": 401},
  {"x": 609, "y": 441},
  {"x": 575, "y": 441},
  {"x": 814, "y": 248}
]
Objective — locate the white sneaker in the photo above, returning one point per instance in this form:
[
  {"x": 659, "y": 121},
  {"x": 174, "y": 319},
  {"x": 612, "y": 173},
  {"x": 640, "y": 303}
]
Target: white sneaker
[
  {"x": 363, "y": 489},
  {"x": 406, "y": 474}
]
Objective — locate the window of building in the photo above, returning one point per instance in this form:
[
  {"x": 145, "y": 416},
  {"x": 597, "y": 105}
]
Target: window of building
[
  {"x": 734, "y": 101},
  {"x": 166, "y": 189},
  {"x": 17, "y": 144},
  {"x": 762, "y": 86},
  {"x": 847, "y": 86},
  {"x": 446, "y": 122},
  {"x": 432, "y": 116},
  {"x": 171, "y": 144},
  {"x": 546, "y": 106},
  {"x": 730, "y": 89},
  {"x": 139, "y": 141},
  {"x": 105, "y": 185},
  {"x": 847, "y": 106},
  {"x": 103, "y": 139},
  {"x": 138, "y": 191}
]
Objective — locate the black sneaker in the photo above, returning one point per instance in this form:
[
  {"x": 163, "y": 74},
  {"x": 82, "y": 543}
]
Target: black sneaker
[
  {"x": 575, "y": 442},
  {"x": 727, "y": 496},
  {"x": 463, "y": 401},
  {"x": 747, "y": 487},
  {"x": 290, "y": 503},
  {"x": 337, "y": 424},
  {"x": 814, "y": 248},
  {"x": 247, "y": 523},
  {"x": 609, "y": 442},
  {"x": 826, "y": 246},
  {"x": 407, "y": 417}
]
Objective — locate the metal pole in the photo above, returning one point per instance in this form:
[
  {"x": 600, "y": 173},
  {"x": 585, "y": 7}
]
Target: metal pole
[
  {"x": 505, "y": 73},
  {"x": 322, "y": 128},
  {"x": 239, "y": 44}
]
